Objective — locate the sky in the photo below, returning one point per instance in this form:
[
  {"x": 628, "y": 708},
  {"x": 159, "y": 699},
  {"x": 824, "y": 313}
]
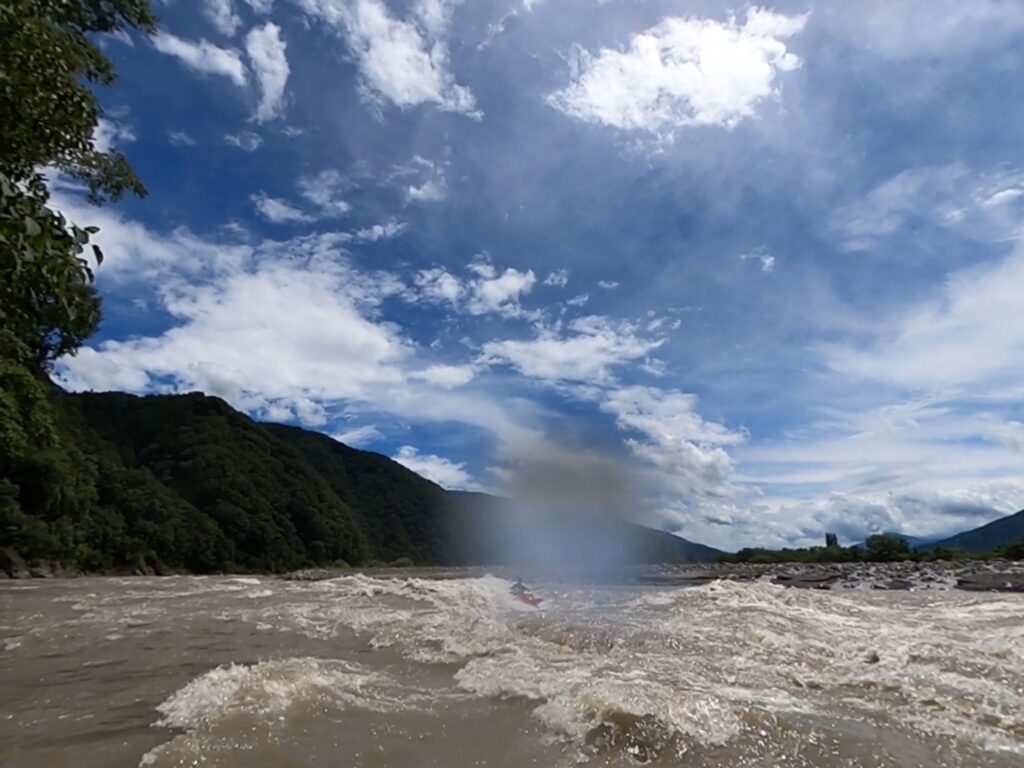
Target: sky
[{"x": 763, "y": 262}]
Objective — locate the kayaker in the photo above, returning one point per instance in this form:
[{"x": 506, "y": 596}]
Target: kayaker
[{"x": 519, "y": 588}]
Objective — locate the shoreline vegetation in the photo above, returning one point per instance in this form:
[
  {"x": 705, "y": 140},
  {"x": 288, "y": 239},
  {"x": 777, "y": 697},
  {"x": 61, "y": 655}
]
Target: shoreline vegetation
[{"x": 880, "y": 548}]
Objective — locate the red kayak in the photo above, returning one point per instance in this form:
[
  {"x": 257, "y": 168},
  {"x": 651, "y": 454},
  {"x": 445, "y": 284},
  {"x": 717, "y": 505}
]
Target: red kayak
[{"x": 530, "y": 599}]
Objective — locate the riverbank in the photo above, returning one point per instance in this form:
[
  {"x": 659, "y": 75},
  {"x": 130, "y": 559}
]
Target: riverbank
[{"x": 971, "y": 575}]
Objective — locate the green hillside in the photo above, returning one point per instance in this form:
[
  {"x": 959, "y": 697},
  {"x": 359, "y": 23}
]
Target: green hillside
[{"x": 401, "y": 513}]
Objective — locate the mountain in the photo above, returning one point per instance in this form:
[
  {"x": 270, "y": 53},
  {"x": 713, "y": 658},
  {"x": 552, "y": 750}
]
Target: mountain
[
  {"x": 999, "y": 533},
  {"x": 187, "y": 482}
]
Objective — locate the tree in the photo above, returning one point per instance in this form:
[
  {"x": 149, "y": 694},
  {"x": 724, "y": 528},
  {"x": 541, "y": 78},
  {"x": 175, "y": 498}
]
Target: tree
[
  {"x": 48, "y": 119},
  {"x": 48, "y": 114},
  {"x": 882, "y": 548}
]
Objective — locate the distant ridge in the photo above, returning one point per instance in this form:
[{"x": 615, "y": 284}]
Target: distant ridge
[{"x": 999, "y": 533}]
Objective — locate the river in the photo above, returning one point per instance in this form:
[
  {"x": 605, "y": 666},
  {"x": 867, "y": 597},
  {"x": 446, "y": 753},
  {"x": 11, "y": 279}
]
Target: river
[{"x": 223, "y": 672}]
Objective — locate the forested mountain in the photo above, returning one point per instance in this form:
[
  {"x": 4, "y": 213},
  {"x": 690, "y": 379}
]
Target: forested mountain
[
  {"x": 999, "y": 533},
  {"x": 185, "y": 481}
]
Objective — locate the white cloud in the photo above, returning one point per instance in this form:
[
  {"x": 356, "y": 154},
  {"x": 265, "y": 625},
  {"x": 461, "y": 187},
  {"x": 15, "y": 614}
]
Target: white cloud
[
  {"x": 938, "y": 29},
  {"x": 439, "y": 285},
  {"x": 266, "y": 50},
  {"x": 500, "y": 293},
  {"x": 683, "y": 72},
  {"x": 423, "y": 180},
  {"x": 203, "y": 57},
  {"x": 221, "y": 13},
  {"x": 1003, "y": 196},
  {"x": 247, "y": 338},
  {"x": 260, "y": 6},
  {"x": 399, "y": 62},
  {"x": 246, "y": 140},
  {"x": 446, "y": 376},
  {"x": 110, "y": 133},
  {"x": 428, "y": 192},
  {"x": 962, "y": 338},
  {"x": 688, "y": 454},
  {"x": 595, "y": 347},
  {"x": 385, "y": 231},
  {"x": 578, "y": 301},
  {"x": 323, "y": 190},
  {"x": 559, "y": 278},
  {"x": 921, "y": 192},
  {"x": 488, "y": 292},
  {"x": 359, "y": 436},
  {"x": 445, "y": 473},
  {"x": 435, "y": 15},
  {"x": 278, "y": 211},
  {"x": 760, "y": 254},
  {"x": 181, "y": 139},
  {"x": 607, "y": 285}
]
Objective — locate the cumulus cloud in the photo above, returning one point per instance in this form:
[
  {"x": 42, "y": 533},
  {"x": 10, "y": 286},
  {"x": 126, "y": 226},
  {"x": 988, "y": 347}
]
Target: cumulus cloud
[
  {"x": 439, "y": 286},
  {"x": 247, "y": 338},
  {"x": 221, "y": 13},
  {"x": 203, "y": 57},
  {"x": 278, "y": 211},
  {"x": 401, "y": 61},
  {"x": 423, "y": 181},
  {"x": 488, "y": 291},
  {"x": 559, "y": 278},
  {"x": 445, "y": 473},
  {"x": 324, "y": 191},
  {"x": 246, "y": 140},
  {"x": 589, "y": 353},
  {"x": 288, "y": 330},
  {"x": 683, "y": 72},
  {"x": 687, "y": 453},
  {"x": 266, "y": 51},
  {"x": 447, "y": 376},
  {"x": 385, "y": 231}
]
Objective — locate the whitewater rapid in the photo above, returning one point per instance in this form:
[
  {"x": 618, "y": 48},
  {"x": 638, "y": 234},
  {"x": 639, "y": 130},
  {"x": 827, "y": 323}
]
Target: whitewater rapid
[{"x": 383, "y": 671}]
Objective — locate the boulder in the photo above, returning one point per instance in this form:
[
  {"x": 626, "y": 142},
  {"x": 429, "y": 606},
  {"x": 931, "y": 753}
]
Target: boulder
[
  {"x": 991, "y": 582},
  {"x": 12, "y": 564},
  {"x": 41, "y": 570}
]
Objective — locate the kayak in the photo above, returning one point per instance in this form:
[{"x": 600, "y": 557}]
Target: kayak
[{"x": 530, "y": 599}]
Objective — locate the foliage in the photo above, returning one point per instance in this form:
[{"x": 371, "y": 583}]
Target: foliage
[
  {"x": 1013, "y": 551},
  {"x": 881, "y": 548},
  {"x": 403, "y": 514},
  {"x": 48, "y": 114},
  {"x": 46, "y": 296},
  {"x": 274, "y": 509}
]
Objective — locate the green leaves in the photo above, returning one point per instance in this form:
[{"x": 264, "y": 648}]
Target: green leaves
[
  {"x": 46, "y": 295},
  {"x": 48, "y": 116}
]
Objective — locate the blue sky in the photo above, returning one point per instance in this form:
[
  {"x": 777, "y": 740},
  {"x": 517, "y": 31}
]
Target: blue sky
[{"x": 764, "y": 260}]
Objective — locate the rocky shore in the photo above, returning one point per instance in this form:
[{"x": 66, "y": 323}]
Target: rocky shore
[{"x": 974, "y": 576}]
